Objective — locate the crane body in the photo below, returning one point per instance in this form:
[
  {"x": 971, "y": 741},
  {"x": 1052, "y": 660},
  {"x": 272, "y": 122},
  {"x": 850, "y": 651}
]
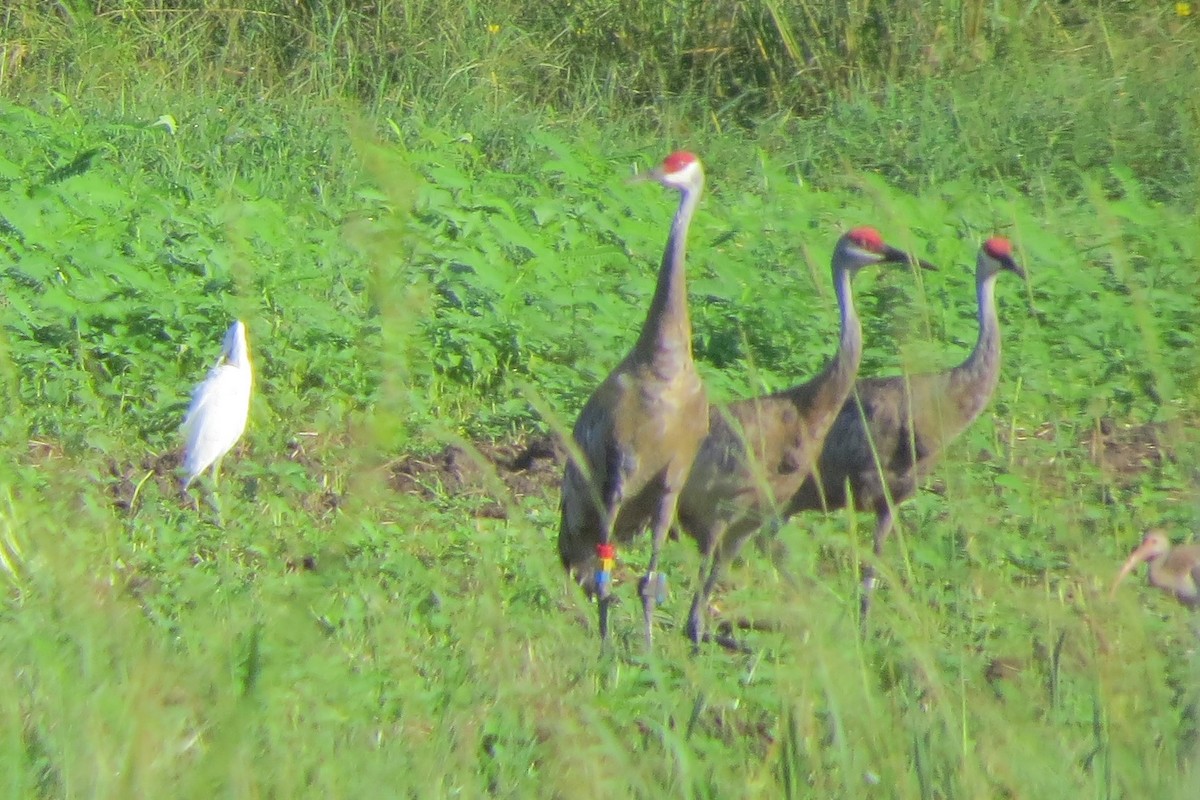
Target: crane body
[
  {"x": 891, "y": 430},
  {"x": 759, "y": 451},
  {"x": 639, "y": 431}
]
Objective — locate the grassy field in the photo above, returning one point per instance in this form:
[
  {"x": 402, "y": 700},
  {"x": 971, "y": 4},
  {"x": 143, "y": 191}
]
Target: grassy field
[{"x": 423, "y": 217}]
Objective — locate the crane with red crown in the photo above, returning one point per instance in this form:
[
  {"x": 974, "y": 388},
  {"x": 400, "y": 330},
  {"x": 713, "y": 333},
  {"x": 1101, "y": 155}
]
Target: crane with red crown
[
  {"x": 639, "y": 431},
  {"x": 891, "y": 430}
]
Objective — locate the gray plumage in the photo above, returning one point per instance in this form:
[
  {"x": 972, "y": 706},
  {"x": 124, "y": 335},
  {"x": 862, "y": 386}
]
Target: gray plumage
[
  {"x": 639, "y": 431},
  {"x": 909, "y": 422},
  {"x": 759, "y": 451}
]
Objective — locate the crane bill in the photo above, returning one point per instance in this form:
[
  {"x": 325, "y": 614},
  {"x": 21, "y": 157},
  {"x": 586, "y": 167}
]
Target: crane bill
[
  {"x": 655, "y": 174},
  {"x": 894, "y": 255}
]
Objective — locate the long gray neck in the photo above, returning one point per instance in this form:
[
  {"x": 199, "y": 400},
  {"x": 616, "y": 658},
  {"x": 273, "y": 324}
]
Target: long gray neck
[
  {"x": 666, "y": 335},
  {"x": 837, "y": 378},
  {"x": 982, "y": 367}
]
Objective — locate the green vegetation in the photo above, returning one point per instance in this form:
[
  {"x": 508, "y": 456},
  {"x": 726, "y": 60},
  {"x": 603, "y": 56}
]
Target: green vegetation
[{"x": 421, "y": 213}]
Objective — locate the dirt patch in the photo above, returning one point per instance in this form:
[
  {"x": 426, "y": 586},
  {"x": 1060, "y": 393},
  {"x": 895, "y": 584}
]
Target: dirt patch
[
  {"x": 497, "y": 473},
  {"x": 126, "y": 480},
  {"x": 1126, "y": 451},
  {"x": 42, "y": 452}
]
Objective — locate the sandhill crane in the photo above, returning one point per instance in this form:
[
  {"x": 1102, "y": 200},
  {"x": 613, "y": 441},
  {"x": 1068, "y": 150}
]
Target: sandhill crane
[
  {"x": 216, "y": 418},
  {"x": 759, "y": 451},
  {"x": 1172, "y": 569},
  {"x": 909, "y": 421},
  {"x": 639, "y": 431}
]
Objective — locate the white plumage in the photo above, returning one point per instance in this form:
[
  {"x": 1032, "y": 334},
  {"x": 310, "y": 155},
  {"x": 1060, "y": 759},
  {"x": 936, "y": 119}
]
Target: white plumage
[{"x": 216, "y": 418}]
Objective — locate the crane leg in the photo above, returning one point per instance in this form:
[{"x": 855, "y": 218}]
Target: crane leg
[
  {"x": 653, "y": 584},
  {"x": 710, "y": 570},
  {"x": 604, "y": 587},
  {"x": 707, "y": 580},
  {"x": 602, "y": 601},
  {"x": 719, "y": 557},
  {"x": 883, "y": 526},
  {"x": 698, "y": 616}
]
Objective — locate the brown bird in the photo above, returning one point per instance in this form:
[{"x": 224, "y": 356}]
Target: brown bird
[
  {"x": 1172, "y": 569},
  {"x": 639, "y": 431},
  {"x": 909, "y": 420},
  {"x": 759, "y": 451}
]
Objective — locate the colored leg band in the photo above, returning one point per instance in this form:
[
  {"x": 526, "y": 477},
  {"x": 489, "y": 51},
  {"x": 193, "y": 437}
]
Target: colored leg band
[{"x": 607, "y": 554}]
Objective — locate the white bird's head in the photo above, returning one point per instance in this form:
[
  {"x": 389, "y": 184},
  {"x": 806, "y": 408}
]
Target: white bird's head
[
  {"x": 236, "y": 349},
  {"x": 860, "y": 247},
  {"x": 994, "y": 257},
  {"x": 681, "y": 170}
]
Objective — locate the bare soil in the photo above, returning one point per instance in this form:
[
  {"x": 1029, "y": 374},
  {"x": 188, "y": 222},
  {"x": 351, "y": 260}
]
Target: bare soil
[
  {"x": 1126, "y": 451},
  {"x": 498, "y": 473}
]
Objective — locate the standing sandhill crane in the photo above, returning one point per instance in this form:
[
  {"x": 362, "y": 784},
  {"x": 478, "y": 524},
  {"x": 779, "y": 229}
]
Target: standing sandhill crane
[
  {"x": 639, "y": 431},
  {"x": 759, "y": 451},
  {"x": 220, "y": 405},
  {"x": 1172, "y": 569},
  {"x": 908, "y": 420}
]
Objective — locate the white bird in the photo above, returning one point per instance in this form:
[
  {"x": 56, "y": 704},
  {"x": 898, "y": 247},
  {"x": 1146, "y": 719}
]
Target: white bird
[{"x": 216, "y": 418}]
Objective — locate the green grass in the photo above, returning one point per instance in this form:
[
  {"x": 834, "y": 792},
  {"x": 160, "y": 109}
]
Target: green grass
[{"x": 430, "y": 236}]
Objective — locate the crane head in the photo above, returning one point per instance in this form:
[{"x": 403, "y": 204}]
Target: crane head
[
  {"x": 578, "y": 556},
  {"x": 996, "y": 255},
  {"x": 862, "y": 246},
  {"x": 681, "y": 170},
  {"x": 1154, "y": 546}
]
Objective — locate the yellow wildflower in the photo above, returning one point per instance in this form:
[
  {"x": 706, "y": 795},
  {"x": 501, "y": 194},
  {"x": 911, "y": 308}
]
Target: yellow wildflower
[
  {"x": 493, "y": 29},
  {"x": 1183, "y": 9}
]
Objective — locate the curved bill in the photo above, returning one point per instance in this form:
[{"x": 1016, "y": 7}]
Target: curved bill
[{"x": 1140, "y": 554}]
